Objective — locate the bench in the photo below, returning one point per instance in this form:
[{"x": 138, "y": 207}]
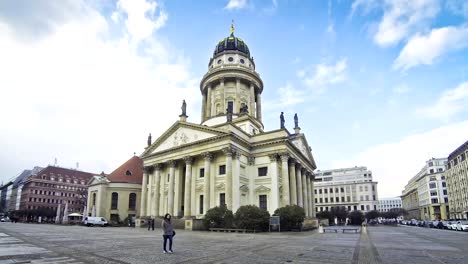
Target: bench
[
  {"x": 217, "y": 229},
  {"x": 330, "y": 229},
  {"x": 351, "y": 229}
]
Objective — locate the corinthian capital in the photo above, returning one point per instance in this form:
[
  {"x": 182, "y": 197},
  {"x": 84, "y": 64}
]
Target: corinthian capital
[
  {"x": 148, "y": 169},
  {"x": 208, "y": 156},
  {"x": 172, "y": 163},
  {"x": 284, "y": 157},
  {"x": 188, "y": 160}
]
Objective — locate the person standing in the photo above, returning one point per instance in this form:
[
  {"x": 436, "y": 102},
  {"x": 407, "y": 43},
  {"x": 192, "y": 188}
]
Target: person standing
[
  {"x": 149, "y": 223},
  {"x": 152, "y": 223},
  {"x": 168, "y": 232}
]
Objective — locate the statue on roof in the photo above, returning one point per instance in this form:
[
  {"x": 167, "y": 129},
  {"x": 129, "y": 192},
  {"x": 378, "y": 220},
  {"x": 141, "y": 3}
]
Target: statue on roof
[
  {"x": 282, "y": 120},
  {"x": 232, "y": 27},
  {"x": 184, "y": 108},
  {"x": 296, "y": 121},
  {"x": 229, "y": 114},
  {"x": 149, "y": 140},
  {"x": 244, "y": 109}
]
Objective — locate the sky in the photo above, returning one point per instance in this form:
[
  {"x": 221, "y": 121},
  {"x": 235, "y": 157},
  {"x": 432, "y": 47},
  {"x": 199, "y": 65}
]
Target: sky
[{"x": 381, "y": 84}]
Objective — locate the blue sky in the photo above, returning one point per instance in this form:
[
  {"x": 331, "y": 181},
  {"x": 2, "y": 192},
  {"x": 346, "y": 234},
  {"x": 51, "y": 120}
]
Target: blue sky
[{"x": 381, "y": 84}]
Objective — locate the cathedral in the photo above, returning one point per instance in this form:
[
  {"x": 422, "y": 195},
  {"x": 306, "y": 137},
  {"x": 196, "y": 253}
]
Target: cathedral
[{"x": 228, "y": 159}]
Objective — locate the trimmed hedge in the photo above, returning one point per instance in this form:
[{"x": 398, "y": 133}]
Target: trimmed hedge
[
  {"x": 218, "y": 217},
  {"x": 252, "y": 217},
  {"x": 291, "y": 217}
]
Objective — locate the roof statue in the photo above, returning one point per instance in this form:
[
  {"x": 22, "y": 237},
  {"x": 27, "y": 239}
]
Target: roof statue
[
  {"x": 282, "y": 120},
  {"x": 296, "y": 121},
  {"x": 232, "y": 27},
  {"x": 149, "y": 140},
  {"x": 184, "y": 108},
  {"x": 244, "y": 109},
  {"x": 229, "y": 114}
]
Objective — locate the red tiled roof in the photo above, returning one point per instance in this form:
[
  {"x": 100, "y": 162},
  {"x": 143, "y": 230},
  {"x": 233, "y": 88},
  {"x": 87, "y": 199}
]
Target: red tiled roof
[
  {"x": 71, "y": 173},
  {"x": 131, "y": 171}
]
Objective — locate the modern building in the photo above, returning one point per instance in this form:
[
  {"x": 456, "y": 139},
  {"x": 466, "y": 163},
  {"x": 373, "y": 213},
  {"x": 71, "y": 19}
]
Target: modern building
[
  {"x": 5, "y": 196},
  {"x": 457, "y": 182},
  {"x": 117, "y": 196},
  {"x": 430, "y": 188},
  {"x": 18, "y": 183},
  {"x": 352, "y": 188},
  {"x": 53, "y": 186},
  {"x": 385, "y": 204},
  {"x": 227, "y": 159}
]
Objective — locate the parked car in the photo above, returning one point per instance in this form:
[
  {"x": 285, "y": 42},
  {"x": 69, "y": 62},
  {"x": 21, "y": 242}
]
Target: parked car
[
  {"x": 414, "y": 222},
  {"x": 445, "y": 224},
  {"x": 5, "y": 219},
  {"x": 462, "y": 225},
  {"x": 452, "y": 225},
  {"x": 92, "y": 221}
]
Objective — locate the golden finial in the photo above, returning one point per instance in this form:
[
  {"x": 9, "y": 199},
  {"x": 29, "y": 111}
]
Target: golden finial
[{"x": 232, "y": 27}]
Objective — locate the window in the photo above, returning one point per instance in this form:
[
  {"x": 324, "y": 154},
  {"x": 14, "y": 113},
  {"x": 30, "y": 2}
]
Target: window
[
  {"x": 433, "y": 193},
  {"x": 201, "y": 205},
  {"x": 362, "y": 199},
  {"x": 262, "y": 201},
  {"x": 242, "y": 61},
  {"x": 342, "y": 199},
  {"x": 331, "y": 190},
  {"x": 367, "y": 207},
  {"x": 114, "y": 201},
  {"x": 367, "y": 197},
  {"x": 132, "y": 201},
  {"x": 348, "y": 198},
  {"x": 431, "y": 164},
  {"x": 230, "y": 106},
  {"x": 220, "y": 61},
  {"x": 432, "y": 185},
  {"x": 445, "y": 199},
  {"x": 349, "y": 207},
  {"x": 326, "y": 190},
  {"x": 431, "y": 171},
  {"x": 360, "y": 188},
  {"x": 362, "y": 207},
  {"x": 443, "y": 177},
  {"x": 375, "y": 207},
  {"x": 315, "y": 191},
  {"x": 440, "y": 170},
  {"x": 373, "y": 197},
  {"x": 315, "y": 200},
  {"x": 230, "y": 59},
  {"x": 326, "y": 200},
  {"x": 445, "y": 192},
  {"x": 331, "y": 199},
  {"x": 262, "y": 171},
  {"x": 321, "y": 200},
  {"x": 355, "y": 208},
  {"x": 373, "y": 188},
  {"x": 320, "y": 191},
  {"x": 128, "y": 173},
  {"x": 222, "y": 169},
  {"x": 366, "y": 188},
  {"x": 444, "y": 184},
  {"x": 222, "y": 199},
  {"x": 342, "y": 189},
  {"x": 202, "y": 173},
  {"x": 434, "y": 200}
]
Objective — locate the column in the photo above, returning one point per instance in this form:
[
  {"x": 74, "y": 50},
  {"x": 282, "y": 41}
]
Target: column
[
  {"x": 188, "y": 187},
  {"x": 170, "y": 192},
  {"x": 309, "y": 194},
  {"x": 228, "y": 179},
  {"x": 162, "y": 197},
  {"x": 149, "y": 194},
  {"x": 203, "y": 112},
  {"x": 252, "y": 100},
  {"x": 177, "y": 190},
  {"x": 299, "y": 186},
  {"x": 236, "y": 182},
  {"x": 144, "y": 187},
  {"x": 238, "y": 102},
  {"x": 285, "y": 177},
  {"x": 223, "y": 100},
  {"x": 259, "y": 107},
  {"x": 312, "y": 195},
  {"x": 206, "y": 196},
  {"x": 304, "y": 192},
  {"x": 273, "y": 173},
  {"x": 156, "y": 190},
  {"x": 209, "y": 102},
  {"x": 252, "y": 173},
  {"x": 292, "y": 173}
]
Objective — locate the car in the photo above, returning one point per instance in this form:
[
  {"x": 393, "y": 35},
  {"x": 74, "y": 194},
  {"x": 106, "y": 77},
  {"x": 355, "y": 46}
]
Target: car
[
  {"x": 92, "y": 221},
  {"x": 5, "y": 219},
  {"x": 445, "y": 224},
  {"x": 462, "y": 225},
  {"x": 452, "y": 225}
]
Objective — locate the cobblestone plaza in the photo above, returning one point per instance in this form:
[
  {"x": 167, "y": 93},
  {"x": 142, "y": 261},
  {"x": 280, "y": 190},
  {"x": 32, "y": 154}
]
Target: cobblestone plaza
[{"x": 40, "y": 243}]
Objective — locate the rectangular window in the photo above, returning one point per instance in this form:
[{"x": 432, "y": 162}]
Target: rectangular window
[
  {"x": 432, "y": 185},
  {"x": 262, "y": 201},
  {"x": 431, "y": 171},
  {"x": 262, "y": 171},
  {"x": 367, "y": 207},
  {"x": 342, "y": 199},
  {"x": 445, "y": 199},
  {"x": 445, "y": 192},
  {"x": 321, "y": 200},
  {"x": 373, "y": 197},
  {"x": 434, "y": 200},
  {"x": 315, "y": 200},
  {"x": 348, "y": 198},
  {"x": 326, "y": 200},
  {"x": 342, "y": 189},
  {"x": 366, "y": 188},
  {"x": 355, "y": 208},
  {"x": 222, "y": 199},
  {"x": 320, "y": 191},
  {"x": 201, "y": 205},
  {"x": 362, "y": 207},
  {"x": 336, "y": 190},
  {"x": 433, "y": 193},
  {"x": 360, "y": 188},
  {"x": 444, "y": 184},
  {"x": 222, "y": 169},
  {"x": 331, "y": 199},
  {"x": 315, "y": 191},
  {"x": 373, "y": 188},
  {"x": 202, "y": 173},
  {"x": 362, "y": 198},
  {"x": 440, "y": 170},
  {"x": 375, "y": 207},
  {"x": 231, "y": 106},
  {"x": 326, "y": 190}
]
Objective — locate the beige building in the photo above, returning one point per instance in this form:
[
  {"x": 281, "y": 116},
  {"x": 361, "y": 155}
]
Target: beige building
[
  {"x": 352, "y": 188},
  {"x": 227, "y": 159},
  {"x": 425, "y": 196},
  {"x": 117, "y": 196},
  {"x": 457, "y": 182}
]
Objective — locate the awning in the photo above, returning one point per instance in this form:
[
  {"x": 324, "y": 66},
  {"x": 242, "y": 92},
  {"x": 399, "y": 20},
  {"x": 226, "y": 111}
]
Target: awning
[{"x": 75, "y": 214}]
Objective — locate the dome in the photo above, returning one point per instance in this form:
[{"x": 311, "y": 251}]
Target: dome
[{"x": 232, "y": 43}]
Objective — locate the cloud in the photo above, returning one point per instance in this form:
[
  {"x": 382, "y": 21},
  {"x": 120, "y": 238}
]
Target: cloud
[
  {"x": 289, "y": 96},
  {"x": 323, "y": 75},
  {"x": 236, "y": 4},
  {"x": 424, "y": 49},
  {"x": 403, "y": 18},
  {"x": 365, "y": 5},
  {"x": 82, "y": 92},
  {"x": 457, "y": 7},
  {"x": 393, "y": 164},
  {"x": 450, "y": 103}
]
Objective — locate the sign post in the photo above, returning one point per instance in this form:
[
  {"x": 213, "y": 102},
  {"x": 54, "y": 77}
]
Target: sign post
[{"x": 274, "y": 221}]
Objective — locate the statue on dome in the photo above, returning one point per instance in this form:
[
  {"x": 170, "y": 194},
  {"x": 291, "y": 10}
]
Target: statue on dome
[
  {"x": 244, "y": 109},
  {"x": 296, "y": 121},
  {"x": 229, "y": 114},
  {"x": 149, "y": 140},
  {"x": 184, "y": 108},
  {"x": 282, "y": 120}
]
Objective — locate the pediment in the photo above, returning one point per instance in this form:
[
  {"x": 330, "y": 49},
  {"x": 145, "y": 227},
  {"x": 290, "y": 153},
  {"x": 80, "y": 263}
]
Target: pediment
[
  {"x": 97, "y": 179},
  {"x": 220, "y": 186},
  {"x": 301, "y": 144},
  {"x": 181, "y": 134},
  {"x": 244, "y": 188},
  {"x": 262, "y": 188}
]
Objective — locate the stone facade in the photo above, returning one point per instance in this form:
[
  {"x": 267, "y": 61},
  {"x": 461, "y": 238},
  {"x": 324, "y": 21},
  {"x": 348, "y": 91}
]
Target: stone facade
[
  {"x": 227, "y": 159},
  {"x": 352, "y": 188},
  {"x": 457, "y": 182}
]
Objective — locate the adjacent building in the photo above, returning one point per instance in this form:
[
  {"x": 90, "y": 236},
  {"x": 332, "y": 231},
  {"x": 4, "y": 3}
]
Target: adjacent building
[
  {"x": 53, "y": 186},
  {"x": 11, "y": 192},
  {"x": 352, "y": 188},
  {"x": 117, "y": 196},
  {"x": 425, "y": 196},
  {"x": 457, "y": 182},
  {"x": 386, "y": 204},
  {"x": 228, "y": 159},
  {"x": 5, "y": 196}
]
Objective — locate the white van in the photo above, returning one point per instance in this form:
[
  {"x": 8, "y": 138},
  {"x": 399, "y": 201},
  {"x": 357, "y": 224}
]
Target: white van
[{"x": 92, "y": 221}]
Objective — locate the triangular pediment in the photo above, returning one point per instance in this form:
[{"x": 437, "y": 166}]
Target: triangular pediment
[
  {"x": 98, "y": 179},
  {"x": 181, "y": 134},
  {"x": 262, "y": 188},
  {"x": 301, "y": 144}
]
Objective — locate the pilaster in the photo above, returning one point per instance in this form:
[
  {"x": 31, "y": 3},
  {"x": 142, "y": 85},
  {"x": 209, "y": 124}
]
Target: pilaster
[
  {"x": 206, "y": 195},
  {"x": 293, "y": 184},
  {"x": 188, "y": 187},
  {"x": 304, "y": 192},
  {"x": 157, "y": 188},
  {"x": 273, "y": 173},
  {"x": 170, "y": 192},
  {"x": 236, "y": 183},
  {"x": 285, "y": 177},
  {"x": 299, "y": 186},
  {"x": 228, "y": 179}
]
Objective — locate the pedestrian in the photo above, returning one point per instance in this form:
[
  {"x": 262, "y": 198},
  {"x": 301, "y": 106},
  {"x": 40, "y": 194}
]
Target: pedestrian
[
  {"x": 168, "y": 233},
  {"x": 149, "y": 223},
  {"x": 152, "y": 223}
]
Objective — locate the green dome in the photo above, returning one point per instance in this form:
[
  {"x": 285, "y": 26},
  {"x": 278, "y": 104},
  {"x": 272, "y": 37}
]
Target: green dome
[{"x": 232, "y": 43}]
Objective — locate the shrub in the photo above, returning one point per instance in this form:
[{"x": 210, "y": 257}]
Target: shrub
[
  {"x": 218, "y": 217},
  {"x": 325, "y": 215},
  {"x": 252, "y": 217},
  {"x": 372, "y": 215},
  {"x": 356, "y": 217},
  {"x": 291, "y": 216}
]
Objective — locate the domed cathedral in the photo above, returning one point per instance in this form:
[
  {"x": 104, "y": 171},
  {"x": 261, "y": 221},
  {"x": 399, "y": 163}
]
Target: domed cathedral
[{"x": 228, "y": 159}]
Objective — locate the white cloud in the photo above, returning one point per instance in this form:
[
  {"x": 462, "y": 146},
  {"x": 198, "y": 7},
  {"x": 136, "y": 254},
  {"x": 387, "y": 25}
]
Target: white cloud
[
  {"x": 402, "y": 18},
  {"x": 289, "y": 96},
  {"x": 394, "y": 163},
  {"x": 322, "y": 75},
  {"x": 424, "y": 49},
  {"x": 450, "y": 103},
  {"x": 83, "y": 95},
  {"x": 236, "y": 4},
  {"x": 365, "y": 5},
  {"x": 458, "y": 7}
]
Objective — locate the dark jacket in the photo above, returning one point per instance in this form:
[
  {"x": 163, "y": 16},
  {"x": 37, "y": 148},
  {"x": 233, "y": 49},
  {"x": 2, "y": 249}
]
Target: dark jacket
[{"x": 167, "y": 228}]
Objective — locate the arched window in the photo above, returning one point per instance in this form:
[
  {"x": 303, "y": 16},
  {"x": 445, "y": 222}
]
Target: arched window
[
  {"x": 94, "y": 198},
  {"x": 132, "y": 201},
  {"x": 114, "y": 201}
]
